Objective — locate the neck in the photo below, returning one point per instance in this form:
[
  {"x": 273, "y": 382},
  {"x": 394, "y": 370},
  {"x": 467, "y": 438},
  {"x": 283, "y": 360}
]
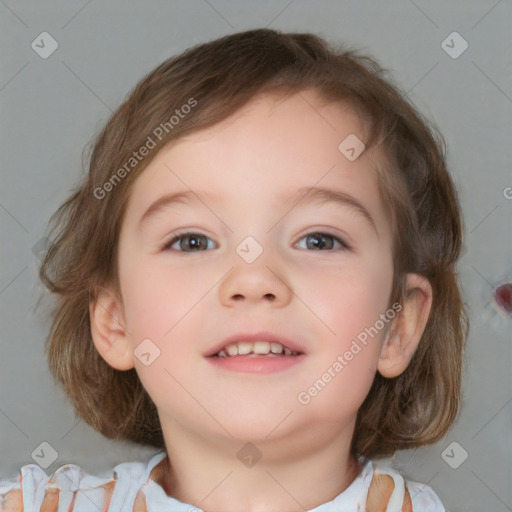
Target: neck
[{"x": 292, "y": 474}]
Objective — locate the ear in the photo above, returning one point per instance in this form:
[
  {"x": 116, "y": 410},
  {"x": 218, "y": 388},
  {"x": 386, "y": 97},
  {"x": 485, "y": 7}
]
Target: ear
[
  {"x": 108, "y": 330},
  {"x": 405, "y": 333}
]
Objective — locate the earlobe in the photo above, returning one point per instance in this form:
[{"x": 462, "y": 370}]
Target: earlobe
[
  {"x": 108, "y": 330},
  {"x": 401, "y": 341}
]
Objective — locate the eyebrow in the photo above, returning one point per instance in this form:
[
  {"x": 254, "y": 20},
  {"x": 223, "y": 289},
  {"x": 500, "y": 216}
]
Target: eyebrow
[
  {"x": 321, "y": 196},
  {"x": 303, "y": 195}
]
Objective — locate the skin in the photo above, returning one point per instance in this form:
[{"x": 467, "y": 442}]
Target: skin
[{"x": 188, "y": 302}]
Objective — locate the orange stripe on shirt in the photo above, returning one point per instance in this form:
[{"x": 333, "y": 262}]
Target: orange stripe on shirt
[
  {"x": 139, "y": 505},
  {"x": 407, "y": 506},
  {"x": 50, "y": 500},
  {"x": 381, "y": 489},
  {"x": 12, "y": 501},
  {"x": 109, "y": 491}
]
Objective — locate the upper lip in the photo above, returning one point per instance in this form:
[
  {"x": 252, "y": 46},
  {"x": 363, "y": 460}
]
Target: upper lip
[{"x": 256, "y": 336}]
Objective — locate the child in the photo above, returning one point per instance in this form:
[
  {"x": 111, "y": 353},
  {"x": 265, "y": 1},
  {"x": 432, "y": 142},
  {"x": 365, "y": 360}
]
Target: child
[{"x": 313, "y": 325}]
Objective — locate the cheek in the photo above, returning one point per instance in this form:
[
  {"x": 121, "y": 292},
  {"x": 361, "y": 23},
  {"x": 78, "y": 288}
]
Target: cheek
[
  {"x": 160, "y": 304},
  {"x": 347, "y": 299},
  {"x": 157, "y": 296},
  {"x": 348, "y": 303},
  {"x": 156, "y": 312}
]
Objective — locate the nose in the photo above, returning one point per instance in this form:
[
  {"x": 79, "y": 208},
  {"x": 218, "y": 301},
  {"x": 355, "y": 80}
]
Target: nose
[{"x": 262, "y": 281}]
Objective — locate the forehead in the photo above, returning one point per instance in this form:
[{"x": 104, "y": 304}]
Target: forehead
[
  {"x": 274, "y": 144},
  {"x": 283, "y": 112}
]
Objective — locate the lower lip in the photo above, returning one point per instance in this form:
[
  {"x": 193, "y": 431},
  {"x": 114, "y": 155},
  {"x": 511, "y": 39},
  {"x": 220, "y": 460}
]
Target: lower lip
[{"x": 256, "y": 364}]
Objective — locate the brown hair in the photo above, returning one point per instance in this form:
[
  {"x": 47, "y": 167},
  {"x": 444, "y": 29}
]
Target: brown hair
[{"x": 413, "y": 409}]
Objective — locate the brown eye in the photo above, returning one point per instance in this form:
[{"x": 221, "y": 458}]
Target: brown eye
[
  {"x": 188, "y": 242},
  {"x": 319, "y": 241}
]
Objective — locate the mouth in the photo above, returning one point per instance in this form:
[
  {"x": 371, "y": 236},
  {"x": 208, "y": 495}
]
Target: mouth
[
  {"x": 256, "y": 353},
  {"x": 257, "y": 344},
  {"x": 255, "y": 349}
]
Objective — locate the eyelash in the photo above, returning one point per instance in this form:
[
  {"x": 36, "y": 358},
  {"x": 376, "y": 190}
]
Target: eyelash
[{"x": 344, "y": 245}]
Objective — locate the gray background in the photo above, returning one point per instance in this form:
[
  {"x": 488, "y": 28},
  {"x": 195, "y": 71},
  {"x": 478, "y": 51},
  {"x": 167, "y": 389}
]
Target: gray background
[{"x": 51, "y": 108}]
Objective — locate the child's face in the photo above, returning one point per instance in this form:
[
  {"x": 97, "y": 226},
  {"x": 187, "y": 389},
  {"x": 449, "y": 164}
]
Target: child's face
[{"x": 245, "y": 177}]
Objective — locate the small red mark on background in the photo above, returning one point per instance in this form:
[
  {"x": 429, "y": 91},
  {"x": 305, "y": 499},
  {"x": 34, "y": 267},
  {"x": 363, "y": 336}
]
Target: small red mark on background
[{"x": 503, "y": 297}]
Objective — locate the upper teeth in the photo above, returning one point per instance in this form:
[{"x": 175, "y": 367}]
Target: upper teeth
[{"x": 257, "y": 347}]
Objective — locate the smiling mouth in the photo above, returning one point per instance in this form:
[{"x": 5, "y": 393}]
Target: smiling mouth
[
  {"x": 257, "y": 357},
  {"x": 255, "y": 349}
]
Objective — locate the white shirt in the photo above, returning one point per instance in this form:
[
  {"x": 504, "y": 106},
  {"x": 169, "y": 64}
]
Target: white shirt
[{"x": 133, "y": 481}]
